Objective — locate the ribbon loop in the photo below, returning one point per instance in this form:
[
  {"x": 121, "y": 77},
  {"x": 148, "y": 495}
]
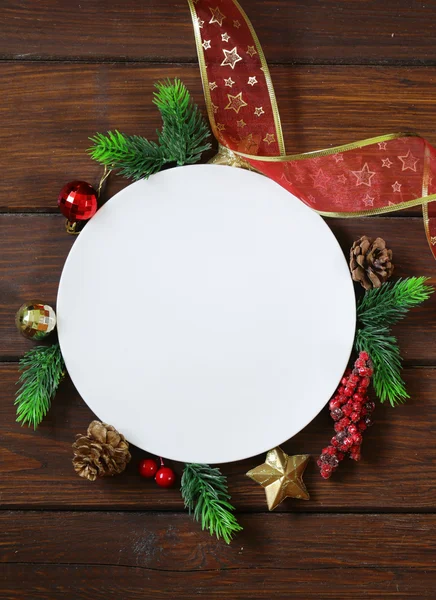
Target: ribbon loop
[{"x": 363, "y": 178}]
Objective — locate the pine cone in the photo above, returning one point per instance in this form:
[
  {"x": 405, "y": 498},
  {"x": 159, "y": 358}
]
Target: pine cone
[
  {"x": 100, "y": 453},
  {"x": 370, "y": 262}
]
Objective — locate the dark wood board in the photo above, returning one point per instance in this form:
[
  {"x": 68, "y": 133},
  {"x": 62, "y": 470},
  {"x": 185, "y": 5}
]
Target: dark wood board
[
  {"x": 173, "y": 541},
  {"x": 34, "y": 247},
  {"x": 90, "y": 582},
  {"x": 49, "y": 110},
  {"x": 310, "y": 31},
  {"x": 397, "y": 472}
]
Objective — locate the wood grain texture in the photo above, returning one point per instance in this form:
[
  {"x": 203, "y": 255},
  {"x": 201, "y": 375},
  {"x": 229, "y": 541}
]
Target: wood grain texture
[
  {"x": 397, "y": 473},
  {"x": 33, "y": 249},
  {"x": 40, "y": 582},
  {"x": 49, "y": 110},
  {"x": 160, "y": 30},
  {"x": 174, "y": 542}
]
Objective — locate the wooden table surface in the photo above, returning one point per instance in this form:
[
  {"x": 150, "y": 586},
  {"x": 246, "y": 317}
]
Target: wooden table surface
[{"x": 343, "y": 70}]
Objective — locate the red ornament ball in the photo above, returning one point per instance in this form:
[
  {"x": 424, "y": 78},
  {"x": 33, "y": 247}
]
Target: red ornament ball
[
  {"x": 165, "y": 477},
  {"x": 148, "y": 468},
  {"x": 77, "y": 201}
]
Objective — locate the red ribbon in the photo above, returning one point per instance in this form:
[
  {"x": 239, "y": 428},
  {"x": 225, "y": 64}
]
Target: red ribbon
[{"x": 369, "y": 177}]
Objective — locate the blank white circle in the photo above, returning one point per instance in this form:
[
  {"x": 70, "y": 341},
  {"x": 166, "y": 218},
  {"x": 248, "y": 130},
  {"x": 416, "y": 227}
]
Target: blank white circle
[{"x": 206, "y": 313}]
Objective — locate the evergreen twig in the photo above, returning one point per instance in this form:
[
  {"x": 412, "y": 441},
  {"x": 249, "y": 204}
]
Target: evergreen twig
[
  {"x": 43, "y": 370},
  {"x": 376, "y": 312},
  {"x": 204, "y": 491},
  {"x": 181, "y": 140}
]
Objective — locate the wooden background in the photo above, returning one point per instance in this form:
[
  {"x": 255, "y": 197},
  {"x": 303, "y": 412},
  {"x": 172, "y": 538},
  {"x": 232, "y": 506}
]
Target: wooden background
[{"x": 343, "y": 70}]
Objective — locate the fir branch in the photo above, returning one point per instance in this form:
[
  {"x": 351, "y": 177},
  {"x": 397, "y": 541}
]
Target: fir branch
[
  {"x": 204, "y": 491},
  {"x": 384, "y": 352},
  {"x": 391, "y": 302},
  {"x": 376, "y": 312},
  {"x": 43, "y": 370},
  {"x": 181, "y": 141}
]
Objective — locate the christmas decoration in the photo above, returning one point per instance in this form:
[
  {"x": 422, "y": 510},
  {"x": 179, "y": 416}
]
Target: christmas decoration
[
  {"x": 102, "y": 452},
  {"x": 77, "y": 201},
  {"x": 204, "y": 491},
  {"x": 165, "y": 477},
  {"x": 181, "y": 140},
  {"x": 351, "y": 410},
  {"x": 35, "y": 320},
  {"x": 43, "y": 370},
  {"x": 366, "y": 177},
  {"x": 148, "y": 468},
  {"x": 281, "y": 476},
  {"x": 376, "y": 312},
  {"x": 370, "y": 262}
]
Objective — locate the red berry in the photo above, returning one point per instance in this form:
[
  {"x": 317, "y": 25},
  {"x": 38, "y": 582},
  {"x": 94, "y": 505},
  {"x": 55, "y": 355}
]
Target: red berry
[
  {"x": 334, "y": 403},
  {"x": 325, "y": 475},
  {"x": 352, "y": 429},
  {"x": 339, "y": 427},
  {"x": 344, "y": 380},
  {"x": 334, "y": 441},
  {"x": 348, "y": 391},
  {"x": 331, "y": 450},
  {"x": 364, "y": 355},
  {"x": 340, "y": 456},
  {"x": 357, "y": 406},
  {"x": 347, "y": 410},
  {"x": 355, "y": 416},
  {"x": 361, "y": 425},
  {"x": 365, "y": 382},
  {"x": 148, "y": 468},
  {"x": 358, "y": 398},
  {"x": 357, "y": 439},
  {"x": 336, "y": 414},
  {"x": 165, "y": 477}
]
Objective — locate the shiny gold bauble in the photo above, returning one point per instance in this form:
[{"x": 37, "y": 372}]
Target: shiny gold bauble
[{"x": 35, "y": 320}]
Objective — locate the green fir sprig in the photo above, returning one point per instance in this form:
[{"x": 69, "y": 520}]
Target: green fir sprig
[
  {"x": 205, "y": 493},
  {"x": 43, "y": 370},
  {"x": 181, "y": 140},
  {"x": 376, "y": 312}
]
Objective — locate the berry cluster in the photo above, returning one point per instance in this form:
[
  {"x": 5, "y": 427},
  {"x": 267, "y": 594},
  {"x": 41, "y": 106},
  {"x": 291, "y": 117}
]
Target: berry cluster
[
  {"x": 163, "y": 476},
  {"x": 351, "y": 410}
]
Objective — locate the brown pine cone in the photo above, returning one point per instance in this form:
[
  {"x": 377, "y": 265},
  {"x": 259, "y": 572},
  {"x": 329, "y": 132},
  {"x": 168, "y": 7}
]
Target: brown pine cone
[
  {"x": 370, "y": 262},
  {"x": 101, "y": 452}
]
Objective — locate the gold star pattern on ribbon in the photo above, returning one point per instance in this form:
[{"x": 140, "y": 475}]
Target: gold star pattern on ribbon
[
  {"x": 236, "y": 24},
  {"x": 220, "y": 126},
  {"x": 225, "y": 37},
  {"x": 229, "y": 82},
  {"x": 396, "y": 186},
  {"x": 252, "y": 81},
  {"x": 206, "y": 44},
  {"x": 251, "y": 51},
  {"x": 409, "y": 161},
  {"x": 368, "y": 200},
  {"x": 235, "y": 102},
  {"x": 258, "y": 111},
  {"x": 320, "y": 179},
  {"x": 231, "y": 57},
  {"x": 387, "y": 163},
  {"x": 433, "y": 240},
  {"x": 269, "y": 138},
  {"x": 281, "y": 476},
  {"x": 364, "y": 176},
  {"x": 212, "y": 85},
  {"x": 217, "y": 16}
]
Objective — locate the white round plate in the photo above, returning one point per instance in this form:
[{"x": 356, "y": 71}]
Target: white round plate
[{"x": 206, "y": 313}]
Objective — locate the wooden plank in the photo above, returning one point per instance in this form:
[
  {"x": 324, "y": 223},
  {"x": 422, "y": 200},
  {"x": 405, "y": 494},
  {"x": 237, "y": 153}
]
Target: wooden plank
[
  {"x": 49, "y": 110},
  {"x": 33, "y": 248},
  {"x": 39, "y": 582},
  {"x": 166, "y": 541},
  {"x": 397, "y": 472},
  {"x": 290, "y": 31}
]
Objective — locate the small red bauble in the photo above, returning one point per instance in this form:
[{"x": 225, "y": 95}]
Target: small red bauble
[
  {"x": 148, "y": 468},
  {"x": 77, "y": 201},
  {"x": 165, "y": 477}
]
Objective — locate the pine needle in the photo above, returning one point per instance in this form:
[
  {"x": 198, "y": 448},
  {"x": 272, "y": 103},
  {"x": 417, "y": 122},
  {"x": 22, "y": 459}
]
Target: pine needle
[
  {"x": 377, "y": 311},
  {"x": 181, "y": 141},
  {"x": 43, "y": 370},
  {"x": 204, "y": 490}
]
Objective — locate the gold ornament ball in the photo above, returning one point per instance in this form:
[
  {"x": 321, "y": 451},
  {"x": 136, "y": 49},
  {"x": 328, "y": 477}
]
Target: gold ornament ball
[{"x": 35, "y": 320}]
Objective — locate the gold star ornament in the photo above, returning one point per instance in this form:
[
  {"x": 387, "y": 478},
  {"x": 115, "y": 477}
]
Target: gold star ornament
[{"x": 281, "y": 476}]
